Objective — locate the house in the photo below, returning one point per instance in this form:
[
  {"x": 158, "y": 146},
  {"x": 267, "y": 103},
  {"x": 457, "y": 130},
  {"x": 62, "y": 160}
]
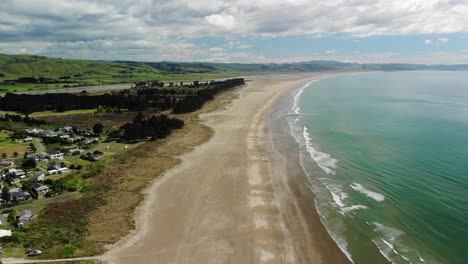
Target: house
[
  {"x": 41, "y": 189},
  {"x": 52, "y": 172},
  {"x": 63, "y": 170},
  {"x": 91, "y": 140},
  {"x": 28, "y": 139},
  {"x": 72, "y": 150},
  {"x": 38, "y": 176},
  {"x": 81, "y": 131},
  {"x": 49, "y": 133},
  {"x": 26, "y": 218},
  {"x": 34, "y": 131},
  {"x": 65, "y": 136},
  {"x": 74, "y": 139},
  {"x": 15, "y": 181},
  {"x": 20, "y": 196},
  {"x": 66, "y": 129},
  {"x": 7, "y": 163},
  {"x": 98, "y": 156},
  {"x": 36, "y": 157},
  {"x": 54, "y": 155},
  {"x": 16, "y": 172}
]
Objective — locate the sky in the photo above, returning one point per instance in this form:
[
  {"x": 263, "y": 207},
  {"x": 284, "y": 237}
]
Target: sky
[{"x": 245, "y": 31}]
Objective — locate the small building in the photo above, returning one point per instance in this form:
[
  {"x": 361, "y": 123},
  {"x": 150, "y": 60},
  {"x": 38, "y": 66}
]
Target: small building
[
  {"x": 72, "y": 150},
  {"x": 20, "y": 196},
  {"x": 26, "y": 217},
  {"x": 98, "y": 156},
  {"x": 34, "y": 131},
  {"x": 66, "y": 129},
  {"x": 15, "y": 181},
  {"x": 38, "y": 176},
  {"x": 7, "y": 163},
  {"x": 36, "y": 157},
  {"x": 49, "y": 133},
  {"x": 55, "y": 155},
  {"x": 53, "y": 172},
  {"x": 41, "y": 189},
  {"x": 63, "y": 170},
  {"x": 16, "y": 172},
  {"x": 91, "y": 140},
  {"x": 28, "y": 139}
]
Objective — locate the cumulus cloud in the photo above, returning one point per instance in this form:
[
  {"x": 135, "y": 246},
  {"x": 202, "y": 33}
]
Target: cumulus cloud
[
  {"x": 163, "y": 29},
  {"x": 428, "y": 42},
  {"x": 222, "y": 20},
  {"x": 330, "y": 51}
]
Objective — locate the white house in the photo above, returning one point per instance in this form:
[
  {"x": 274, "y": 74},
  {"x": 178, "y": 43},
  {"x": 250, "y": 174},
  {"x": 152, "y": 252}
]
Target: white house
[
  {"x": 55, "y": 155},
  {"x": 41, "y": 189},
  {"x": 38, "y": 176},
  {"x": 26, "y": 217},
  {"x": 52, "y": 172},
  {"x": 67, "y": 128},
  {"x": 63, "y": 170}
]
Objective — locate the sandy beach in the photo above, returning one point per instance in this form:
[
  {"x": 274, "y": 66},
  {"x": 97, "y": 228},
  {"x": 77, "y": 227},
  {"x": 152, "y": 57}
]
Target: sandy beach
[{"x": 221, "y": 205}]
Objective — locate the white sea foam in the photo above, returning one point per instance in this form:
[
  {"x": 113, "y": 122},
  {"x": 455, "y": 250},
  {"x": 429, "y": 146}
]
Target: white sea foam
[
  {"x": 391, "y": 247},
  {"x": 323, "y": 160},
  {"x": 374, "y": 195},
  {"x": 348, "y": 209}
]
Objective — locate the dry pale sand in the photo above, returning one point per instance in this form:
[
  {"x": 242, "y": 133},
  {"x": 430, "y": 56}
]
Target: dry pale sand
[
  {"x": 220, "y": 204},
  {"x": 232, "y": 200}
]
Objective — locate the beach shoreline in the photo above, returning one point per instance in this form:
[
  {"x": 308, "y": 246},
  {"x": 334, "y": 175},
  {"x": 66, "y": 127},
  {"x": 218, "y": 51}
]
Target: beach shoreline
[
  {"x": 229, "y": 201},
  {"x": 299, "y": 212},
  {"x": 237, "y": 219}
]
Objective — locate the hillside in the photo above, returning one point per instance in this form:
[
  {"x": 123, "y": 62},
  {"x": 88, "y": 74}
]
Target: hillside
[{"x": 31, "y": 72}]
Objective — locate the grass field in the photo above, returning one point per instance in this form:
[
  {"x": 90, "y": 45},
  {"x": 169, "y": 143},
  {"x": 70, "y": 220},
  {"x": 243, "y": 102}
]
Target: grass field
[
  {"x": 80, "y": 73},
  {"x": 9, "y": 146}
]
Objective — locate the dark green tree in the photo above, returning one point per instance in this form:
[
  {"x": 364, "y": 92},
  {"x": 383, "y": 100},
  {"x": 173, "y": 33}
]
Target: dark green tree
[
  {"x": 98, "y": 128},
  {"x": 29, "y": 163},
  {"x": 33, "y": 147},
  {"x": 5, "y": 194}
]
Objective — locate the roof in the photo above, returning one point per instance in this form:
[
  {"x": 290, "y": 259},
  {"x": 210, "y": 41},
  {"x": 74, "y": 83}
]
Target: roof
[
  {"x": 41, "y": 187},
  {"x": 6, "y": 162},
  {"x": 26, "y": 213}
]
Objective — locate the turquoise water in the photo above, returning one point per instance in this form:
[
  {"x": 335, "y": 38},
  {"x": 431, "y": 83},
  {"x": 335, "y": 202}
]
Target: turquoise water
[{"x": 392, "y": 151}]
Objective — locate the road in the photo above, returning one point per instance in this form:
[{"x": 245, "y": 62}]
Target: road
[{"x": 40, "y": 145}]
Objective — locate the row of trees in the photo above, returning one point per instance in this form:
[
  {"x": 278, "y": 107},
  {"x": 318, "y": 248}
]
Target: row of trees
[
  {"x": 192, "y": 103},
  {"x": 26, "y": 103},
  {"x": 18, "y": 118},
  {"x": 143, "y": 99},
  {"x": 154, "y": 127}
]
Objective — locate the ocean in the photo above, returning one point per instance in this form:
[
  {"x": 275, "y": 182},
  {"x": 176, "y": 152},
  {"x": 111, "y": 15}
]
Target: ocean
[{"x": 385, "y": 155}]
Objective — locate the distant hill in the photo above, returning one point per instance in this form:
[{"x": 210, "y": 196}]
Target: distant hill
[{"x": 13, "y": 67}]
